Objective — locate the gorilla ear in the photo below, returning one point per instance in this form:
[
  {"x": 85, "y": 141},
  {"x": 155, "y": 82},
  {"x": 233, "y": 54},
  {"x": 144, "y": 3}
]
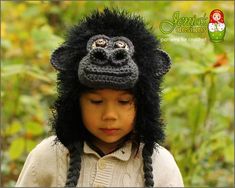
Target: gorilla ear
[
  {"x": 64, "y": 58},
  {"x": 163, "y": 61}
]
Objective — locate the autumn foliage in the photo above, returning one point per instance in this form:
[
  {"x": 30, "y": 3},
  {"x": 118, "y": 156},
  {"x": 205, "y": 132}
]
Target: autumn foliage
[{"x": 197, "y": 95}]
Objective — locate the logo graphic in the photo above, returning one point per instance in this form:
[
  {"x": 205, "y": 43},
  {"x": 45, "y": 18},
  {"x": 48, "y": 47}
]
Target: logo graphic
[
  {"x": 216, "y": 26},
  {"x": 184, "y": 24}
]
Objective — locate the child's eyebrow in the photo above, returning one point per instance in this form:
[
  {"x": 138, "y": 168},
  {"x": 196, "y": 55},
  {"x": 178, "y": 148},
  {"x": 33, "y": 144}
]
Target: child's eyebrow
[
  {"x": 122, "y": 93},
  {"x": 126, "y": 93},
  {"x": 93, "y": 91}
]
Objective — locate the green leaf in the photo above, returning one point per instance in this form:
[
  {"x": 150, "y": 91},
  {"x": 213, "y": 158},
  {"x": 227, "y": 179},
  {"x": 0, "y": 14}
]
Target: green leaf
[
  {"x": 229, "y": 153},
  {"x": 6, "y": 44},
  {"x": 27, "y": 101},
  {"x": 45, "y": 39},
  {"x": 221, "y": 69},
  {"x": 12, "y": 129},
  {"x": 34, "y": 128},
  {"x": 191, "y": 68},
  {"x": 3, "y": 93},
  {"x": 38, "y": 76},
  {"x": 31, "y": 12},
  {"x": 30, "y": 144},
  {"x": 10, "y": 70},
  {"x": 16, "y": 148}
]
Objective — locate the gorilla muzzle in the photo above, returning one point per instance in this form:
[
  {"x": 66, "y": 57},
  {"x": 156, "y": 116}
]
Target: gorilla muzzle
[{"x": 108, "y": 63}]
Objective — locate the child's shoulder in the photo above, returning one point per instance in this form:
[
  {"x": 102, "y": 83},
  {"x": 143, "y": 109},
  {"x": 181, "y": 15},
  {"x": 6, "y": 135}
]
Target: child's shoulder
[
  {"x": 43, "y": 163},
  {"x": 163, "y": 157},
  {"x": 166, "y": 172},
  {"x": 161, "y": 151},
  {"x": 48, "y": 147},
  {"x": 47, "y": 144}
]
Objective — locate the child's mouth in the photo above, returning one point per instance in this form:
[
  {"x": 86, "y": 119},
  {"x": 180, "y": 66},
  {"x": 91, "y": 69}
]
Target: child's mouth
[{"x": 109, "y": 131}]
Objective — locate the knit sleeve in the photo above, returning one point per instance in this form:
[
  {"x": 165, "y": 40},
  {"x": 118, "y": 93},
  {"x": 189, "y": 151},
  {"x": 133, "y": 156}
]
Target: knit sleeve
[
  {"x": 165, "y": 169},
  {"x": 39, "y": 169}
]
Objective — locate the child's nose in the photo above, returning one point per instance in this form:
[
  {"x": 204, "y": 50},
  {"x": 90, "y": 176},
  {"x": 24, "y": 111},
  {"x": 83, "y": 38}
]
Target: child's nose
[{"x": 109, "y": 112}]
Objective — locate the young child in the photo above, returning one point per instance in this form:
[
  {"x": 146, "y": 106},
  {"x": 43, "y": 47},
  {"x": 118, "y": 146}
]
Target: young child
[{"x": 107, "y": 115}]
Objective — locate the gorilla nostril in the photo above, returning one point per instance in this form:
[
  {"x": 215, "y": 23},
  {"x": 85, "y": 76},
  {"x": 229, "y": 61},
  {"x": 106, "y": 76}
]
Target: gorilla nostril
[
  {"x": 98, "y": 56},
  {"x": 119, "y": 57}
]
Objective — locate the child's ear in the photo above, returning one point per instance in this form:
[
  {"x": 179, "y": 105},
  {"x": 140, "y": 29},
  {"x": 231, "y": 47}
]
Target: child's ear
[
  {"x": 64, "y": 58},
  {"x": 163, "y": 61}
]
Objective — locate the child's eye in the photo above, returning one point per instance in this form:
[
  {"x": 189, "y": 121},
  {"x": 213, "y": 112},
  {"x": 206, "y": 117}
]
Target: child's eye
[
  {"x": 96, "y": 101},
  {"x": 124, "y": 102}
]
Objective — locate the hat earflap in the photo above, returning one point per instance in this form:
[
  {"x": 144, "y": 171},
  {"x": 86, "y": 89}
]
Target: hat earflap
[
  {"x": 62, "y": 57},
  {"x": 163, "y": 61}
]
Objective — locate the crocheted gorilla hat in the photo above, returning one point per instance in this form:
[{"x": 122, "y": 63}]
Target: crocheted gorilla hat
[{"x": 109, "y": 49}]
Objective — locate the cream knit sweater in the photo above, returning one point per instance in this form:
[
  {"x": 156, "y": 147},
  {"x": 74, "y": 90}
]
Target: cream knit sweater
[{"x": 47, "y": 164}]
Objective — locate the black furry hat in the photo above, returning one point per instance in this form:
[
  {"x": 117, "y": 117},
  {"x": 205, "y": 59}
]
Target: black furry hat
[{"x": 115, "y": 43}]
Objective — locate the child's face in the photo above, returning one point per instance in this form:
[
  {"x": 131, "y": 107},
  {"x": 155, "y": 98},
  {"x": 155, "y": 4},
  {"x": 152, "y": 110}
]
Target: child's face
[{"x": 108, "y": 115}]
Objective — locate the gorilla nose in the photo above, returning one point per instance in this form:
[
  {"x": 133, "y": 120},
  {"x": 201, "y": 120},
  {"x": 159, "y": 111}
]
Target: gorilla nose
[{"x": 119, "y": 57}]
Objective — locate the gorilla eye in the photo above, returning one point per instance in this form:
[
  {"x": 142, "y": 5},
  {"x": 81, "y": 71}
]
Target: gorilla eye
[
  {"x": 121, "y": 44},
  {"x": 100, "y": 43}
]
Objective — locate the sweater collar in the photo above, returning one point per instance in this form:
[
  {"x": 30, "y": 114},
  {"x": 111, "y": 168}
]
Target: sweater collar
[{"x": 123, "y": 153}]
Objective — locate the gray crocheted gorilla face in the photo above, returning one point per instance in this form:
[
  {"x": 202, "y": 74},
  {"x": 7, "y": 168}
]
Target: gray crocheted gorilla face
[{"x": 108, "y": 63}]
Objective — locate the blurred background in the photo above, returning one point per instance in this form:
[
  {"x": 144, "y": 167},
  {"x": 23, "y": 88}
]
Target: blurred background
[{"x": 197, "y": 105}]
